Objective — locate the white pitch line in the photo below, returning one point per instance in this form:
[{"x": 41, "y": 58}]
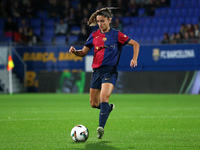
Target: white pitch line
[
  {"x": 35, "y": 119},
  {"x": 166, "y": 117}
]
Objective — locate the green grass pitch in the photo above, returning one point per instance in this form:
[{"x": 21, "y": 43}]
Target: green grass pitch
[{"x": 139, "y": 121}]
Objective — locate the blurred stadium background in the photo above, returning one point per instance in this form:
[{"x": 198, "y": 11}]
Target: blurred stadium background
[{"x": 38, "y": 35}]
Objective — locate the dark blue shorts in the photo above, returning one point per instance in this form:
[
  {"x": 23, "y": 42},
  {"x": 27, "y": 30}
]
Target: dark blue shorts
[{"x": 103, "y": 74}]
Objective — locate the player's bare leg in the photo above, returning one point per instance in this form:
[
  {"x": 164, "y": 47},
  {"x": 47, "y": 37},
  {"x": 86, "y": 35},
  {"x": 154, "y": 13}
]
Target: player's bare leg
[
  {"x": 106, "y": 91},
  {"x": 95, "y": 98}
]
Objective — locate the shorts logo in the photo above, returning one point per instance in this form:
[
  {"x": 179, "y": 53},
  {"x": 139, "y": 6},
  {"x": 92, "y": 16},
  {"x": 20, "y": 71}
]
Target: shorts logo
[
  {"x": 107, "y": 78},
  {"x": 104, "y": 39},
  {"x": 103, "y": 113}
]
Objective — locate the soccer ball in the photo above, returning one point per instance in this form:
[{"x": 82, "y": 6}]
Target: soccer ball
[{"x": 79, "y": 133}]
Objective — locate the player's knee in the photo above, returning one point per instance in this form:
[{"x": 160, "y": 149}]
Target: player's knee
[
  {"x": 104, "y": 98},
  {"x": 93, "y": 104}
]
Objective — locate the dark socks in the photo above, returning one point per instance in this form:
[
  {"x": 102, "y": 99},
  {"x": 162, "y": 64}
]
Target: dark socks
[{"x": 104, "y": 113}]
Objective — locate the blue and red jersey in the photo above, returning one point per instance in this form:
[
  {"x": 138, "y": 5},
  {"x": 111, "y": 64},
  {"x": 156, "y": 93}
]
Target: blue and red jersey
[{"x": 107, "y": 47}]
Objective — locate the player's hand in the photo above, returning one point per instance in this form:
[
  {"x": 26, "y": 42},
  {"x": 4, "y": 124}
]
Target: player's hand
[
  {"x": 72, "y": 50},
  {"x": 133, "y": 63}
]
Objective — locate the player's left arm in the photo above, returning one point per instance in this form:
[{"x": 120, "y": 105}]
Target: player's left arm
[{"x": 136, "y": 48}]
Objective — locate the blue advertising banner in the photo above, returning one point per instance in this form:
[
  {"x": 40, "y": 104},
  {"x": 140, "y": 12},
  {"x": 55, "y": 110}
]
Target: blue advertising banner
[
  {"x": 151, "y": 58},
  {"x": 162, "y": 58},
  {"x": 50, "y": 58}
]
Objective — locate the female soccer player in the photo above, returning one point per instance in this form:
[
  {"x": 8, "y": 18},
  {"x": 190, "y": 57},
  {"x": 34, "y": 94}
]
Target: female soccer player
[{"x": 107, "y": 43}]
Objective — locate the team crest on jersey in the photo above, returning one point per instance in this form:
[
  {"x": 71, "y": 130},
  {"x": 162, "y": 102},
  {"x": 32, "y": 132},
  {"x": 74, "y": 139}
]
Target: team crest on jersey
[
  {"x": 104, "y": 39},
  {"x": 125, "y": 36}
]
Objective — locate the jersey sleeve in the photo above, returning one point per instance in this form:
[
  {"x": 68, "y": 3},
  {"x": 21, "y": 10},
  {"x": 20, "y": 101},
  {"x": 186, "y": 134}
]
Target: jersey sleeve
[
  {"x": 89, "y": 41},
  {"x": 122, "y": 38}
]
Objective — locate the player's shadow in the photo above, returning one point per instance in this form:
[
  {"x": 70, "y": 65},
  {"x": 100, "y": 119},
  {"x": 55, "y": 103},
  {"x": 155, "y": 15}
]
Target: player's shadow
[{"x": 102, "y": 145}]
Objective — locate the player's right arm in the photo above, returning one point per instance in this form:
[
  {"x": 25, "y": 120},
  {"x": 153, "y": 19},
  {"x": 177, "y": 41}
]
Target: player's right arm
[
  {"x": 85, "y": 49},
  {"x": 80, "y": 53}
]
